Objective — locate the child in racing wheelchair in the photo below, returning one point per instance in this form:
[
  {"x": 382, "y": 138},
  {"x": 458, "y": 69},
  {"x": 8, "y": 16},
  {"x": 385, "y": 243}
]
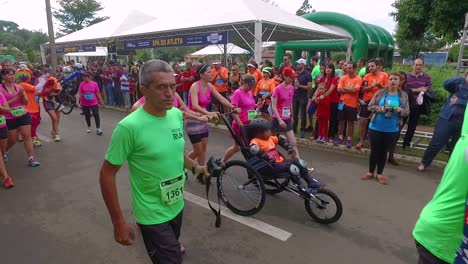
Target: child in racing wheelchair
[{"x": 263, "y": 145}]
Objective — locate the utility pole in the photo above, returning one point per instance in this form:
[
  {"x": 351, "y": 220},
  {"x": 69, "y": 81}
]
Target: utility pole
[{"x": 50, "y": 26}]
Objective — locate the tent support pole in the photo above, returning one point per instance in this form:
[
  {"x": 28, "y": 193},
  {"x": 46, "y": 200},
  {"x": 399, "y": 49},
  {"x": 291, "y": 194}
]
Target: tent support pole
[
  {"x": 43, "y": 56},
  {"x": 258, "y": 42},
  {"x": 349, "y": 50},
  {"x": 246, "y": 42}
]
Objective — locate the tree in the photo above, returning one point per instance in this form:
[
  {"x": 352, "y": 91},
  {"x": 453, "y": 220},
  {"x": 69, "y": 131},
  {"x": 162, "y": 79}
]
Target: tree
[
  {"x": 77, "y": 14},
  {"x": 412, "y": 48},
  {"x": 305, "y": 8},
  {"x": 444, "y": 19},
  {"x": 8, "y": 26},
  {"x": 143, "y": 55}
]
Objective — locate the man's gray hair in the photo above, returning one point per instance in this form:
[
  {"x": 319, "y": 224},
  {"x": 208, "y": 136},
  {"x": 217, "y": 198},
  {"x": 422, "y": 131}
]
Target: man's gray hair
[{"x": 150, "y": 67}]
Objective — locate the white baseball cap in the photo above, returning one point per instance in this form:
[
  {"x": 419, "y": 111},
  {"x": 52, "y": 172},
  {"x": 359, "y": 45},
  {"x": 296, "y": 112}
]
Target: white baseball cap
[{"x": 301, "y": 61}]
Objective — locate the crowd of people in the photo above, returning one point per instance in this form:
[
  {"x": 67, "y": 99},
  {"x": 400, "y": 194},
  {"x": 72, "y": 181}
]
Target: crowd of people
[{"x": 322, "y": 98}]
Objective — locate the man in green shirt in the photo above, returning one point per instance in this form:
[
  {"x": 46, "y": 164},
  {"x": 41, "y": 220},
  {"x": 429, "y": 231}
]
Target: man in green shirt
[
  {"x": 151, "y": 140},
  {"x": 361, "y": 64},
  {"x": 439, "y": 230}
]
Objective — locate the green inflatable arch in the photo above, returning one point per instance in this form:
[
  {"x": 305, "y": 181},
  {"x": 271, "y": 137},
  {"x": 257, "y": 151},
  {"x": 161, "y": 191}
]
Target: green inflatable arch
[{"x": 368, "y": 41}]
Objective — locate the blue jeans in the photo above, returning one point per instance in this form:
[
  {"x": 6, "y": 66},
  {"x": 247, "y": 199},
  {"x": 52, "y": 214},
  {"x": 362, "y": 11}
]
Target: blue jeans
[
  {"x": 186, "y": 95},
  {"x": 444, "y": 130},
  {"x": 109, "y": 90},
  {"x": 118, "y": 96}
]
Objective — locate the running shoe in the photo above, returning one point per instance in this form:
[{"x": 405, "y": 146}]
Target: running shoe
[
  {"x": 349, "y": 143},
  {"x": 316, "y": 184},
  {"x": 5, "y": 157},
  {"x": 33, "y": 162},
  {"x": 338, "y": 142},
  {"x": 88, "y": 130},
  {"x": 302, "y": 134},
  {"x": 99, "y": 131},
  {"x": 57, "y": 138},
  {"x": 8, "y": 183},
  {"x": 37, "y": 143},
  {"x": 20, "y": 138}
]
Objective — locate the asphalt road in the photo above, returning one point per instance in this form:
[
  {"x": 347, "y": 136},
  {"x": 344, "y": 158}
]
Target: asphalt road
[{"x": 55, "y": 214}]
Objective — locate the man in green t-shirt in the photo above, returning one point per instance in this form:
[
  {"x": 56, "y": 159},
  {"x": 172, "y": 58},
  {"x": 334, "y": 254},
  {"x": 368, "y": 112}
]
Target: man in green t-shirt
[
  {"x": 151, "y": 140},
  {"x": 439, "y": 230},
  {"x": 361, "y": 64}
]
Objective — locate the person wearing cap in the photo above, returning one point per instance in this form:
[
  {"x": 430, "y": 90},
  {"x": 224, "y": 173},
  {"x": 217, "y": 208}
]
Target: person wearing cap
[
  {"x": 282, "y": 106},
  {"x": 253, "y": 70},
  {"x": 243, "y": 99},
  {"x": 302, "y": 84},
  {"x": 264, "y": 90},
  {"x": 220, "y": 82}
]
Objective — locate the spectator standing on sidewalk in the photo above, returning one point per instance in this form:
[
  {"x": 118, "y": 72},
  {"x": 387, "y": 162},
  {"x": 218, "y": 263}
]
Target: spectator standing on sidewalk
[
  {"x": 418, "y": 82},
  {"x": 302, "y": 86},
  {"x": 450, "y": 119}
]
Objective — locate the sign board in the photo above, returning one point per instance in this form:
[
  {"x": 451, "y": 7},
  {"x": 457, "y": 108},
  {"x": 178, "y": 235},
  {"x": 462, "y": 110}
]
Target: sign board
[
  {"x": 78, "y": 48},
  {"x": 178, "y": 41}
]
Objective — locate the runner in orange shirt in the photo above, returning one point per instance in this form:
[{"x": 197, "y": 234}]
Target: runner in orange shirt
[
  {"x": 349, "y": 101},
  {"x": 265, "y": 88},
  {"x": 23, "y": 78},
  {"x": 371, "y": 84},
  {"x": 253, "y": 70},
  {"x": 220, "y": 82}
]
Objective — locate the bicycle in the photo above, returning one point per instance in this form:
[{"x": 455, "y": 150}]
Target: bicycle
[{"x": 65, "y": 101}]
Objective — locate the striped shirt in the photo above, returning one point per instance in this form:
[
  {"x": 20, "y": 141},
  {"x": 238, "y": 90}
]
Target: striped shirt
[{"x": 415, "y": 82}]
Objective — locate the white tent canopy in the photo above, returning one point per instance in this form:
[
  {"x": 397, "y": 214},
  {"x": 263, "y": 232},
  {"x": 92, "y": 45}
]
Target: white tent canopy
[
  {"x": 246, "y": 21},
  {"x": 108, "y": 28},
  {"x": 100, "y": 52},
  {"x": 231, "y": 49}
]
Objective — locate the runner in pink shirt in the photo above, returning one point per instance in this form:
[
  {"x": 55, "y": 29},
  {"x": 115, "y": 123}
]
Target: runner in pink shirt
[
  {"x": 7, "y": 181},
  {"x": 281, "y": 102},
  {"x": 243, "y": 99},
  {"x": 89, "y": 99}
]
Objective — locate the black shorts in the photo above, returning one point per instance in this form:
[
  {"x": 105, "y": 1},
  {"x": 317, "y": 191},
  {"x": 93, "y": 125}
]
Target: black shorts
[
  {"x": 48, "y": 105},
  {"x": 4, "y": 132},
  {"x": 347, "y": 114},
  {"x": 278, "y": 129},
  {"x": 162, "y": 241},
  {"x": 24, "y": 120},
  {"x": 426, "y": 257},
  {"x": 364, "y": 112},
  {"x": 197, "y": 138}
]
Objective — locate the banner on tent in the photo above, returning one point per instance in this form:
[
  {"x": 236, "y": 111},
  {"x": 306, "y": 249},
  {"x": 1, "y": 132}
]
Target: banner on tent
[
  {"x": 178, "y": 41},
  {"x": 78, "y": 48}
]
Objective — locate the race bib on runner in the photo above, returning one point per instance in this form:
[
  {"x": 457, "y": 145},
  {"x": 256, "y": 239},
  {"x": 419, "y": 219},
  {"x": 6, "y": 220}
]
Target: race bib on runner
[
  {"x": 89, "y": 96},
  {"x": 2, "y": 120},
  {"x": 252, "y": 114},
  {"x": 219, "y": 82},
  {"x": 36, "y": 98},
  {"x": 18, "y": 111},
  {"x": 286, "y": 112},
  {"x": 173, "y": 190}
]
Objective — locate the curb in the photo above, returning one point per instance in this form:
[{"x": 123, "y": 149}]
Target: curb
[{"x": 403, "y": 159}]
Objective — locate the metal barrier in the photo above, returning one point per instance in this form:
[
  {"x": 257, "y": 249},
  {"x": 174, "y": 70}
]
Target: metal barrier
[{"x": 416, "y": 143}]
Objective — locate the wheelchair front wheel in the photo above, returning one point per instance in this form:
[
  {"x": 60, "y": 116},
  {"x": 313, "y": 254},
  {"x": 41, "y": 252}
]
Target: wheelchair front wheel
[
  {"x": 325, "y": 207},
  {"x": 241, "y": 188}
]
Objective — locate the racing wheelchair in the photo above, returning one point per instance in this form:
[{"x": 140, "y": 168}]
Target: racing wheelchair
[{"x": 243, "y": 185}]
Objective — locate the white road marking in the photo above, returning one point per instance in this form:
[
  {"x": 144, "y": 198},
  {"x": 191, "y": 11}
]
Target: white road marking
[
  {"x": 44, "y": 138},
  {"x": 248, "y": 221}
]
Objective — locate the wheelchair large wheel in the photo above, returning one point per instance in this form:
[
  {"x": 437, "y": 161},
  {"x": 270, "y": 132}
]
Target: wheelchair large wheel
[
  {"x": 325, "y": 208},
  {"x": 273, "y": 186},
  {"x": 241, "y": 188}
]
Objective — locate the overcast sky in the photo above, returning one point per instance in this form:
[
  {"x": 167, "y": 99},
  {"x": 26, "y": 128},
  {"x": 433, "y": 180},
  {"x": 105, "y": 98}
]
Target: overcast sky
[{"x": 30, "y": 14}]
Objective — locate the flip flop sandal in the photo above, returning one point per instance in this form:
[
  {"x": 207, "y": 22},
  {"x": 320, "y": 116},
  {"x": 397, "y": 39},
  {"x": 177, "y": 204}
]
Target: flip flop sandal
[
  {"x": 367, "y": 176},
  {"x": 382, "y": 180}
]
